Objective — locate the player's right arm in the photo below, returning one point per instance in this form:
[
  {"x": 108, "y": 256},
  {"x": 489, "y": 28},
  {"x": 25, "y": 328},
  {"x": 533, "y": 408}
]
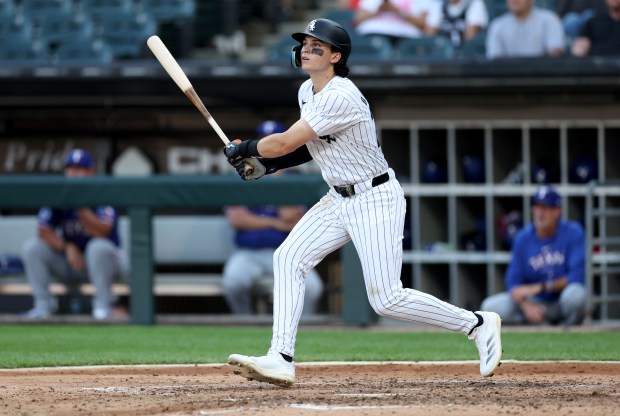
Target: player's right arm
[
  {"x": 241, "y": 218},
  {"x": 51, "y": 238},
  {"x": 47, "y": 221}
]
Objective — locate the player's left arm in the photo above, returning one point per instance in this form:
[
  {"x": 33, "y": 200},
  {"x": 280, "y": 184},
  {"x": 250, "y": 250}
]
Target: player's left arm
[
  {"x": 575, "y": 263},
  {"x": 95, "y": 225},
  {"x": 576, "y": 256}
]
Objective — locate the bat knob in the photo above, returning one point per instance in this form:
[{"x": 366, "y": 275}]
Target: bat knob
[{"x": 249, "y": 170}]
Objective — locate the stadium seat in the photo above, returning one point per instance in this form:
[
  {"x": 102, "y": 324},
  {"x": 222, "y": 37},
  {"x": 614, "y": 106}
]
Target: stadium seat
[
  {"x": 43, "y": 7},
  {"x": 426, "y": 47},
  {"x": 370, "y": 48},
  {"x": 7, "y": 7},
  {"x": 281, "y": 50},
  {"x": 475, "y": 47},
  {"x": 15, "y": 28},
  {"x": 546, "y": 4},
  {"x": 22, "y": 51},
  {"x": 100, "y": 10},
  {"x": 127, "y": 34},
  {"x": 59, "y": 27},
  {"x": 342, "y": 16},
  {"x": 84, "y": 52},
  {"x": 496, "y": 8},
  {"x": 168, "y": 10}
]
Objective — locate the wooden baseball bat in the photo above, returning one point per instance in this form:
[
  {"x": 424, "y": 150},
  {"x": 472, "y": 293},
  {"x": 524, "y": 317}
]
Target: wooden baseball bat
[{"x": 173, "y": 69}]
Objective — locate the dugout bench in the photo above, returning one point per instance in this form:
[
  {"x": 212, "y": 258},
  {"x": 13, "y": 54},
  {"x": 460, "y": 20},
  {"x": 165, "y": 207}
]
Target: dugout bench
[
  {"x": 139, "y": 196},
  {"x": 177, "y": 240}
]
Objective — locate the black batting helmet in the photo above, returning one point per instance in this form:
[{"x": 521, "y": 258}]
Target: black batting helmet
[{"x": 327, "y": 31}]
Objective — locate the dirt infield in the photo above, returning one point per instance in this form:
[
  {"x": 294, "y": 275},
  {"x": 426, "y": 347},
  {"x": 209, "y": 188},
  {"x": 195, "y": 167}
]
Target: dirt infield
[{"x": 387, "y": 389}]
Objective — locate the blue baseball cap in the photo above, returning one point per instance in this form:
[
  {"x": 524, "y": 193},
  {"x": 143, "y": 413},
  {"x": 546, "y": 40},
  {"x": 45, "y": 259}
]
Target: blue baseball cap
[
  {"x": 547, "y": 196},
  {"x": 79, "y": 158}
]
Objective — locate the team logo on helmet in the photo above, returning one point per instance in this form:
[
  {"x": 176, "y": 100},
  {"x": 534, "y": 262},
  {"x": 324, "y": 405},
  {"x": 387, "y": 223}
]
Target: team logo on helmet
[{"x": 311, "y": 26}]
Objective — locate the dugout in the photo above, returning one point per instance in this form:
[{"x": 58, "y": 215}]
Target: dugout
[{"x": 512, "y": 115}]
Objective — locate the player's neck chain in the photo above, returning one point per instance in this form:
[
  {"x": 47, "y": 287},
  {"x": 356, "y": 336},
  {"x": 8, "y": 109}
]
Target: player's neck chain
[{"x": 314, "y": 89}]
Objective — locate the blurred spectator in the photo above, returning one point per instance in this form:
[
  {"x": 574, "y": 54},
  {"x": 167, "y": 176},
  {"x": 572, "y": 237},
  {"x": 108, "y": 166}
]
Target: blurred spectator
[
  {"x": 259, "y": 231},
  {"x": 348, "y": 4},
  {"x": 525, "y": 31},
  {"x": 274, "y": 12},
  {"x": 600, "y": 35},
  {"x": 574, "y": 13},
  {"x": 461, "y": 20},
  {"x": 85, "y": 246},
  {"x": 397, "y": 19},
  {"x": 545, "y": 280},
  {"x": 287, "y": 9}
]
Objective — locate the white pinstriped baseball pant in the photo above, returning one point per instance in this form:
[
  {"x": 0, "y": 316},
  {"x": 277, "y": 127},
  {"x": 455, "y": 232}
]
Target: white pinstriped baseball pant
[{"x": 374, "y": 221}]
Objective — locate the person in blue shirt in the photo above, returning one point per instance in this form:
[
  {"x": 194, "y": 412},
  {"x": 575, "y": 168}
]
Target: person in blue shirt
[
  {"x": 81, "y": 243},
  {"x": 545, "y": 280},
  {"x": 259, "y": 231}
]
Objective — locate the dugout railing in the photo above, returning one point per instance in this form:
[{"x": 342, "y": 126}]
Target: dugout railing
[
  {"x": 603, "y": 249},
  {"x": 140, "y": 196}
]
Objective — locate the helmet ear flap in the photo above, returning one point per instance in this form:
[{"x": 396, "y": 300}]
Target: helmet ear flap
[{"x": 296, "y": 56}]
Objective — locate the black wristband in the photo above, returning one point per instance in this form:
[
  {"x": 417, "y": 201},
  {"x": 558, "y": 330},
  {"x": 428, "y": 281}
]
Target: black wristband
[
  {"x": 249, "y": 148},
  {"x": 295, "y": 158}
]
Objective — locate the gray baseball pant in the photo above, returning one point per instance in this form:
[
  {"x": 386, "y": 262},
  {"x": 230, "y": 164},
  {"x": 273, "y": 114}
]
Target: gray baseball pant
[
  {"x": 569, "y": 309},
  {"x": 244, "y": 267},
  {"x": 104, "y": 261}
]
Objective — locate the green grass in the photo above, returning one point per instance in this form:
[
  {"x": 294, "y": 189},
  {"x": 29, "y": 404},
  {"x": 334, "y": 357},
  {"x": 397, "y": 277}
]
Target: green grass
[{"x": 68, "y": 345}]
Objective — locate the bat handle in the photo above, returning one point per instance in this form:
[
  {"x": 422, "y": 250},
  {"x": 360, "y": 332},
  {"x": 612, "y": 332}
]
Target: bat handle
[{"x": 248, "y": 169}]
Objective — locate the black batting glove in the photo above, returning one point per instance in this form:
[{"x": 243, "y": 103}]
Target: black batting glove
[
  {"x": 250, "y": 168},
  {"x": 231, "y": 151},
  {"x": 238, "y": 150},
  {"x": 239, "y": 167}
]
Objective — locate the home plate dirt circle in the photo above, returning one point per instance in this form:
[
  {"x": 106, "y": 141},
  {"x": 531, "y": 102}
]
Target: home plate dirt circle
[{"x": 395, "y": 389}]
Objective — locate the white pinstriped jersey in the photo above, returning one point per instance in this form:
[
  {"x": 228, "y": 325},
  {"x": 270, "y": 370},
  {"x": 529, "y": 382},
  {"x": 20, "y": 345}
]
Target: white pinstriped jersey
[
  {"x": 348, "y": 153},
  {"x": 346, "y": 148}
]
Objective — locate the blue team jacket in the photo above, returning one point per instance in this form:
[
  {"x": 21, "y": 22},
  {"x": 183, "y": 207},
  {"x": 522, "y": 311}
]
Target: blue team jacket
[
  {"x": 72, "y": 230},
  {"x": 257, "y": 239},
  {"x": 536, "y": 260}
]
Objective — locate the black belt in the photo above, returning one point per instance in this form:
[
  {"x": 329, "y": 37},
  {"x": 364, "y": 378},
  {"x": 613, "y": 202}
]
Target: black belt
[{"x": 349, "y": 190}]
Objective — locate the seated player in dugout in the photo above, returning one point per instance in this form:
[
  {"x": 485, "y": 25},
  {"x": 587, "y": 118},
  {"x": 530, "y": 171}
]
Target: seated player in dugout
[
  {"x": 259, "y": 231},
  {"x": 74, "y": 245},
  {"x": 545, "y": 280}
]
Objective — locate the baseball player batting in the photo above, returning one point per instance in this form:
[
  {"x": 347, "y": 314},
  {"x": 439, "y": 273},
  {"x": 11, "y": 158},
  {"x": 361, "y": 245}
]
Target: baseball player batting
[{"x": 365, "y": 204}]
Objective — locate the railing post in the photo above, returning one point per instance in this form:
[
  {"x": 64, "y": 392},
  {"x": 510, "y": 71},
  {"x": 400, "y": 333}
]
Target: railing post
[
  {"x": 589, "y": 250},
  {"x": 142, "y": 300}
]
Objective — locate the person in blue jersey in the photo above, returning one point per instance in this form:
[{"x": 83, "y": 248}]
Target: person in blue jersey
[
  {"x": 259, "y": 231},
  {"x": 72, "y": 244},
  {"x": 545, "y": 280}
]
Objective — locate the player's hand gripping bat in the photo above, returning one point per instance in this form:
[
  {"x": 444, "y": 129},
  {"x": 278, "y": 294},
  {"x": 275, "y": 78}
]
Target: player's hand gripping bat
[{"x": 173, "y": 69}]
